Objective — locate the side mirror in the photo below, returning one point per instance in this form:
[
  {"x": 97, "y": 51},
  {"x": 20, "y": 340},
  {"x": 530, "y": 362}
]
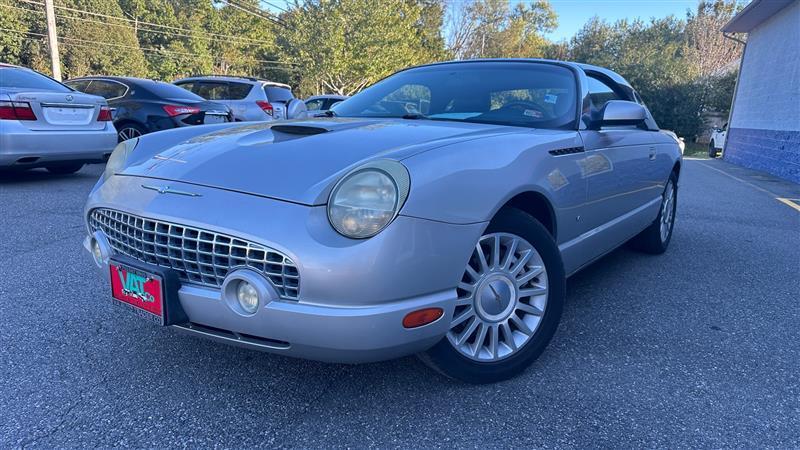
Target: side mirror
[{"x": 620, "y": 113}]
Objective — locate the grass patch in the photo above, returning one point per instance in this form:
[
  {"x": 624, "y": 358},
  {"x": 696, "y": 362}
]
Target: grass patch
[{"x": 695, "y": 150}]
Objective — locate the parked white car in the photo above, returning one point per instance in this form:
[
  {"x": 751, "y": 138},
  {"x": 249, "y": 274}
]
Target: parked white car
[
  {"x": 717, "y": 141},
  {"x": 250, "y": 99}
]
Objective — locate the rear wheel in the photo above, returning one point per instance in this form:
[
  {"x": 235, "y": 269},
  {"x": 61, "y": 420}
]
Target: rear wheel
[
  {"x": 129, "y": 131},
  {"x": 509, "y": 303},
  {"x": 64, "y": 169}
]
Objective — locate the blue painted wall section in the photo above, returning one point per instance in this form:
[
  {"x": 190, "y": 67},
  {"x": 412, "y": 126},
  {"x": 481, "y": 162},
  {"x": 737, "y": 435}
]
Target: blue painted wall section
[{"x": 773, "y": 151}]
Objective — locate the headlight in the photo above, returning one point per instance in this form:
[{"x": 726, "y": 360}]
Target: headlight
[
  {"x": 119, "y": 156},
  {"x": 366, "y": 200}
]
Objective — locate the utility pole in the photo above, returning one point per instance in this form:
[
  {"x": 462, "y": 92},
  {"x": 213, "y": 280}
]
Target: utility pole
[{"x": 52, "y": 39}]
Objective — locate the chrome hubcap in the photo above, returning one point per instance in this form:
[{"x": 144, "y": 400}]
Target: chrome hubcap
[
  {"x": 667, "y": 211},
  {"x": 501, "y": 298}
]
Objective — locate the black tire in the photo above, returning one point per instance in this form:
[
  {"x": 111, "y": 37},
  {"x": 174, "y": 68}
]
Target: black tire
[
  {"x": 64, "y": 169},
  {"x": 448, "y": 361},
  {"x": 650, "y": 240},
  {"x": 128, "y": 130},
  {"x": 712, "y": 150}
]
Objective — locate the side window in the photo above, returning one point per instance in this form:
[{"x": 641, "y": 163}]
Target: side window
[
  {"x": 238, "y": 91},
  {"x": 79, "y": 85},
  {"x": 314, "y": 105},
  {"x": 190, "y": 86},
  {"x": 106, "y": 89},
  {"x": 212, "y": 90},
  {"x": 600, "y": 92}
]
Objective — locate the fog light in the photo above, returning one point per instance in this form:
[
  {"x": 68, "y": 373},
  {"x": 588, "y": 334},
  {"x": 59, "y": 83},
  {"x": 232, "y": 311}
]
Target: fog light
[
  {"x": 97, "y": 245},
  {"x": 247, "y": 296},
  {"x": 97, "y": 253},
  {"x": 245, "y": 291}
]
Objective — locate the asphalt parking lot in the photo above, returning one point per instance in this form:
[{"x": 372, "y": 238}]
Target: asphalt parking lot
[{"x": 699, "y": 347}]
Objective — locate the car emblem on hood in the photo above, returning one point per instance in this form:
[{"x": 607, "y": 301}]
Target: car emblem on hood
[
  {"x": 169, "y": 190},
  {"x": 69, "y": 98}
]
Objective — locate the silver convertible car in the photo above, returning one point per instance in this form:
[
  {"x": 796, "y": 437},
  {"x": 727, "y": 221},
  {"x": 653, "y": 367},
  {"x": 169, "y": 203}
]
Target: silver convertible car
[{"x": 438, "y": 212}]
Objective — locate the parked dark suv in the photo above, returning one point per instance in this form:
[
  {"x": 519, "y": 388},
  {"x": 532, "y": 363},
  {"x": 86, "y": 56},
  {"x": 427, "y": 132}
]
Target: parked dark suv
[{"x": 141, "y": 106}]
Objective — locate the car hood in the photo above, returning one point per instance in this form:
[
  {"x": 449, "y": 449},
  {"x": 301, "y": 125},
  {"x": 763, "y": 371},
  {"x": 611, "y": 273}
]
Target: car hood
[{"x": 295, "y": 161}]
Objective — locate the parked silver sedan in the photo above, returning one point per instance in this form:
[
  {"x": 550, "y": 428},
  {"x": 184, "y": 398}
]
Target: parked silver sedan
[
  {"x": 44, "y": 123},
  {"x": 440, "y": 214}
]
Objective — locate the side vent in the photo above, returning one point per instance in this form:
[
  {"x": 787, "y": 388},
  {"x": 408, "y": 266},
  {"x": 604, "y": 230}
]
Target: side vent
[{"x": 566, "y": 151}]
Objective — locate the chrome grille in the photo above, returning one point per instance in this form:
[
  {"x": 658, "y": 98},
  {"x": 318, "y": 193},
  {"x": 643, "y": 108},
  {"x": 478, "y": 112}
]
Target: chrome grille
[{"x": 199, "y": 256}]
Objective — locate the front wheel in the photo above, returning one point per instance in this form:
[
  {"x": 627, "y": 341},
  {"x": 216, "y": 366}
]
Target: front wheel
[
  {"x": 509, "y": 303},
  {"x": 712, "y": 150}
]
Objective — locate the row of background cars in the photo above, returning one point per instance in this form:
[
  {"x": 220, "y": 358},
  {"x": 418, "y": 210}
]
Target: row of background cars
[{"x": 62, "y": 126}]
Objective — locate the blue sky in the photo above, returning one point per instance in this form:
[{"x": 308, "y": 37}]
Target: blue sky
[{"x": 572, "y": 14}]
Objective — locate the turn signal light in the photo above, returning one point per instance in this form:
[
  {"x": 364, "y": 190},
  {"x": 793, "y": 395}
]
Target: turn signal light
[
  {"x": 176, "y": 110},
  {"x": 422, "y": 317},
  {"x": 16, "y": 111}
]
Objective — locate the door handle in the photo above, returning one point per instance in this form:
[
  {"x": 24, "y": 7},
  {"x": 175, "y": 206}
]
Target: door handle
[{"x": 652, "y": 153}]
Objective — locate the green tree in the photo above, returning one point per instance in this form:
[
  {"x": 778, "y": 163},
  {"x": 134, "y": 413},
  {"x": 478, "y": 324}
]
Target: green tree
[
  {"x": 14, "y": 43},
  {"x": 493, "y": 29},
  {"x": 86, "y": 47},
  {"x": 344, "y": 45}
]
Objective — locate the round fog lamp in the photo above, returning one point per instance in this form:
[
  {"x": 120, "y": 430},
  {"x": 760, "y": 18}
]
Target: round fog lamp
[{"x": 247, "y": 295}]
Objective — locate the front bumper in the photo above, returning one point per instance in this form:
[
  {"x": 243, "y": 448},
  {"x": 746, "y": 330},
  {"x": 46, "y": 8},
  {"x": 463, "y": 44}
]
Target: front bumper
[
  {"x": 323, "y": 333},
  {"x": 22, "y": 148},
  {"x": 353, "y": 295}
]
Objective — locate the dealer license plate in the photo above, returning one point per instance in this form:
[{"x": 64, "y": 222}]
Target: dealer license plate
[{"x": 139, "y": 291}]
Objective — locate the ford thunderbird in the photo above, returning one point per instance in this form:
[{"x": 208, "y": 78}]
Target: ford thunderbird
[{"x": 438, "y": 212}]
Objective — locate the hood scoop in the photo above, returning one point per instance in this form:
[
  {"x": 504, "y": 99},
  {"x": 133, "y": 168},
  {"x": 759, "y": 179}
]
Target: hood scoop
[
  {"x": 299, "y": 130},
  {"x": 283, "y": 133},
  {"x": 280, "y": 133}
]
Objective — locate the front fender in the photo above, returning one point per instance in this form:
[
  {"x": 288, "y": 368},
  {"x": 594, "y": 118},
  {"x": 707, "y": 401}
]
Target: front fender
[{"x": 469, "y": 182}]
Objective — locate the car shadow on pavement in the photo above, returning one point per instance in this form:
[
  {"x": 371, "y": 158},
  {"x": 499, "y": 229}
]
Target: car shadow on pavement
[{"x": 42, "y": 175}]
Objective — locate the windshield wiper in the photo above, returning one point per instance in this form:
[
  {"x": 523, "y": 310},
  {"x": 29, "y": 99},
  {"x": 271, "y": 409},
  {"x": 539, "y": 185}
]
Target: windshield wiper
[{"x": 329, "y": 113}]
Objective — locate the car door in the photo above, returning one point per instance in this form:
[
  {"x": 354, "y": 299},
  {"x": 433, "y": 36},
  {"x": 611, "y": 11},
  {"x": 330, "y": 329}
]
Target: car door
[{"x": 619, "y": 167}]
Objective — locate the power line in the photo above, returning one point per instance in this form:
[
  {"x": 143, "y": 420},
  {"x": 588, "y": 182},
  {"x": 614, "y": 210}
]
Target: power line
[
  {"x": 136, "y": 29},
  {"x": 265, "y": 2},
  {"x": 139, "y": 22},
  {"x": 83, "y": 43},
  {"x": 248, "y": 10}
]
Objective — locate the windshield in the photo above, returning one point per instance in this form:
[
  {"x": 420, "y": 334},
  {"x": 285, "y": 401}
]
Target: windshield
[
  {"x": 12, "y": 77},
  {"x": 506, "y": 93}
]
